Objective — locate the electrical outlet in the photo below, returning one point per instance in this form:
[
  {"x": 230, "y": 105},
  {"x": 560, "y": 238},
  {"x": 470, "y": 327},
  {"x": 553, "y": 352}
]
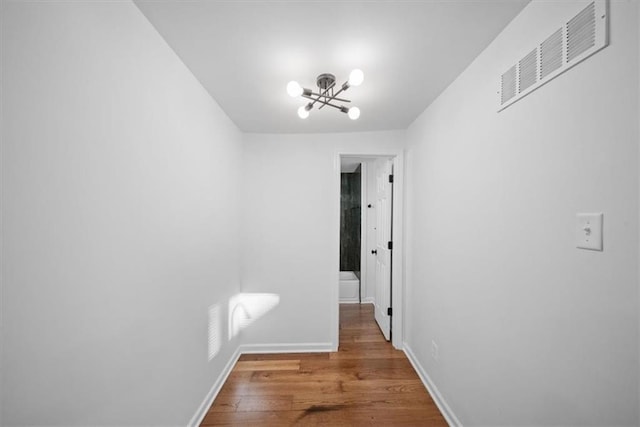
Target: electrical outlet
[{"x": 434, "y": 350}]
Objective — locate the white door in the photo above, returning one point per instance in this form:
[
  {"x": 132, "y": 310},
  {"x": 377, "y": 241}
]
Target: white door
[{"x": 383, "y": 250}]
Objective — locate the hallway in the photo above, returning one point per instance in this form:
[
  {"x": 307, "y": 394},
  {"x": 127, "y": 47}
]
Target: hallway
[{"x": 366, "y": 382}]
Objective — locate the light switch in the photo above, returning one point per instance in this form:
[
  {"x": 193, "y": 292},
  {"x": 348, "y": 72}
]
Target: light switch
[{"x": 589, "y": 231}]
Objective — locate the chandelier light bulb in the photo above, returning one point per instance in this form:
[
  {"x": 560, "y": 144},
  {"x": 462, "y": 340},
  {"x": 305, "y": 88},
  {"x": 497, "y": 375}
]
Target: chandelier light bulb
[
  {"x": 356, "y": 77},
  {"x": 294, "y": 89},
  {"x": 354, "y": 113},
  {"x": 303, "y": 113}
]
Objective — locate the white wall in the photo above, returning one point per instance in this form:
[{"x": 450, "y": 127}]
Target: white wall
[
  {"x": 531, "y": 330},
  {"x": 119, "y": 224},
  {"x": 290, "y": 232}
]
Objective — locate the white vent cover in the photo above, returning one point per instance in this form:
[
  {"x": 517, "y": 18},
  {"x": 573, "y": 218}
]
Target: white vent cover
[
  {"x": 508, "y": 86},
  {"x": 580, "y": 37}
]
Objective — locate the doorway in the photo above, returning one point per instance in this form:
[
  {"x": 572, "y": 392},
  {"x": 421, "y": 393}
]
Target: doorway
[
  {"x": 380, "y": 278},
  {"x": 351, "y": 202}
]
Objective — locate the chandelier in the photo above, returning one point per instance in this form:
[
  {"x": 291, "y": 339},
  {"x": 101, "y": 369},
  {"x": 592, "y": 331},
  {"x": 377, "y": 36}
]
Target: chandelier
[{"x": 327, "y": 95}]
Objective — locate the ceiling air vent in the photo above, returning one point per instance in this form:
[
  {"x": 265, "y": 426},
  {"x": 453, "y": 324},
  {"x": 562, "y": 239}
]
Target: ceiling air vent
[
  {"x": 582, "y": 34},
  {"x": 528, "y": 71},
  {"x": 551, "y": 54},
  {"x": 508, "y": 85}
]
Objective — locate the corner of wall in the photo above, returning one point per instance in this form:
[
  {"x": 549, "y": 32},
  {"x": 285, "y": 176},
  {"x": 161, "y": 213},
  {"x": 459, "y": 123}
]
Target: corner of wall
[{"x": 201, "y": 412}]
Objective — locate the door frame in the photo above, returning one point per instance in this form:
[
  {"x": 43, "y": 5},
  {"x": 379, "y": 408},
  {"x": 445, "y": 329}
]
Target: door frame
[
  {"x": 364, "y": 224},
  {"x": 397, "y": 263}
]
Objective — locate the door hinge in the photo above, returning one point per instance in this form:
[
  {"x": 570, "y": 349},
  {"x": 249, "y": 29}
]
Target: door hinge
[
  {"x": 389, "y": 311},
  {"x": 391, "y": 178},
  {"x": 390, "y": 245}
]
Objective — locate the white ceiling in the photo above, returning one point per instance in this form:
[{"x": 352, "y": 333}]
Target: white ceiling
[{"x": 245, "y": 52}]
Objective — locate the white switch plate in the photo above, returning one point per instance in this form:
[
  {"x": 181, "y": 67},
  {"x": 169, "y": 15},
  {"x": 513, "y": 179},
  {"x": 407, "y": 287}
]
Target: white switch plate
[{"x": 589, "y": 231}]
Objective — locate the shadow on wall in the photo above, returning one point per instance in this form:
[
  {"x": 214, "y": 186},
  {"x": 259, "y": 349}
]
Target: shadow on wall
[{"x": 244, "y": 309}]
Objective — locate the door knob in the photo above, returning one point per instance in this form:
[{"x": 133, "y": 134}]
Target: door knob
[{"x": 375, "y": 251}]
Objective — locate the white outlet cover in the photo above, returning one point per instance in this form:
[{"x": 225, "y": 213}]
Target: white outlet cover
[{"x": 589, "y": 231}]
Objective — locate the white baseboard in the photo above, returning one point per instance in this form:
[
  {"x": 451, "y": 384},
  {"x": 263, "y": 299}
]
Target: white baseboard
[
  {"x": 286, "y": 348},
  {"x": 368, "y": 300},
  {"x": 446, "y": 411},
  {"x": 215, "y": 389}
]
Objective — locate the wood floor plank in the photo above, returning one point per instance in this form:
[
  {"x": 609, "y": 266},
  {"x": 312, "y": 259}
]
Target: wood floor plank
[
  {"x": 355, "y": 364},
  {"x": 369, "y": 338},
  {"x": 268, "y": 365},
  {"x": 353, "y": 346},
  {"x": 292, "y": 376},
  {"x": 282, "y": 356},
  {"x": 258, "y": 418},
  {"x": 368, "y": 354},
  {"x": 265, "y": 403},
  {"x": 266, "y": 389},
  {"x": 337, "y": 416},
  {"x": 225, "y": 403},
  {"x": 366, "y": 382},
  {"x": 361, "y": 400},
  {"x": 412, "y": 386}
]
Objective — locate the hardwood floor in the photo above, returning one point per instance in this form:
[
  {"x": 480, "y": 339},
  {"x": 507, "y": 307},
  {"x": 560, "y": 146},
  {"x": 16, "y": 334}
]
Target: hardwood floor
[{"x": 366, "y": 382}]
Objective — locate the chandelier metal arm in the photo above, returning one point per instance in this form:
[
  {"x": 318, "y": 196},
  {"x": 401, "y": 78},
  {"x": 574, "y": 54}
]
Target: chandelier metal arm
[
  {"x": 323, "y": 94},
  {"x": 333, "y": 98},
  {"x": 344, "y": 87},
  {"x": 322, "y": 102}
]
